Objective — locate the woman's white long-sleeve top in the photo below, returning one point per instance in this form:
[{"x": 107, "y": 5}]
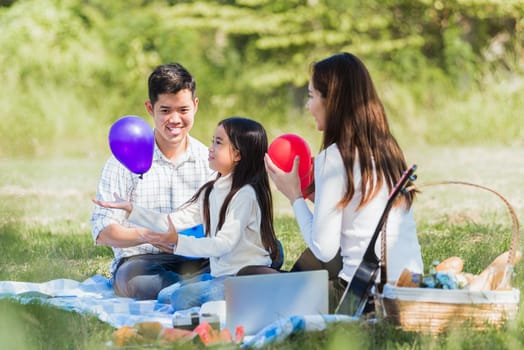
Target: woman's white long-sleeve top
[
  {"x": 237, "y": 244},
  {"x": 329, "y": 228}
]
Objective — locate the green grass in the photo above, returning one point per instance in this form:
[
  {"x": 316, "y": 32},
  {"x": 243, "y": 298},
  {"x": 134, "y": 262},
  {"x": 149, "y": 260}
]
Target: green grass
[
  {"x": 45, "y": 234},
  {"x": 37, "y": 326}
]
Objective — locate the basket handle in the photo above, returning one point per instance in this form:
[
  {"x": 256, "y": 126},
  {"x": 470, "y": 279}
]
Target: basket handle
[{"x": 515, "y": 236}]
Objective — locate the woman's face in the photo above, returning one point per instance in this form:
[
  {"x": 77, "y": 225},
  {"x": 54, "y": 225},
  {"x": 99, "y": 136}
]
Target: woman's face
[
  {"x": 317, "y": 106},
  {"x": 222, "y": 155}
]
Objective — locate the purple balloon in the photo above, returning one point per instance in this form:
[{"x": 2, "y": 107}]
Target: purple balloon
[{"x": 132, "y": 142}]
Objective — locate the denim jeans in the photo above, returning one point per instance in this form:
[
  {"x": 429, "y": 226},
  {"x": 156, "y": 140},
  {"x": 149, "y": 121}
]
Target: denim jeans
[
  {"x": 164, "y": 296},
  {"x": 193, "y": 292},
  {"x": 143, "y": 276}
]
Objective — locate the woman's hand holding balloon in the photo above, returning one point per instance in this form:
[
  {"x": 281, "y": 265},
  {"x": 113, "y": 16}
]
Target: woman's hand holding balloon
[
  {"x": 283, "y": 152},
  {"x": 286, "y": 182}
]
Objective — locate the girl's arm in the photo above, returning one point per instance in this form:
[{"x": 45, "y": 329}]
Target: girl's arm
[
  {"x": 242, "y": 217},
  {"x": 186, "y": 217}
]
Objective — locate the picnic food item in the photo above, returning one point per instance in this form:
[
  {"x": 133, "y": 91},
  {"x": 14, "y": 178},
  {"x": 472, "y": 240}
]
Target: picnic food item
[
  {"x": 444, "y": 275},
  {"x": 170, "y": 335},
  {"x": 482, "y": 281},
  {"x": 126, "y": 335},
  {"x": 502, "y": 274},
  {"x": 149, "y": 330},
  {"x": 142, "y": 333},
  {"x": 409, "y": 279},
  {"x": 453, "y": 264},
  {"x": 497, "y": 275},
  {"x": 501, "y": 261},
  {"x": 210, "y": 336}
]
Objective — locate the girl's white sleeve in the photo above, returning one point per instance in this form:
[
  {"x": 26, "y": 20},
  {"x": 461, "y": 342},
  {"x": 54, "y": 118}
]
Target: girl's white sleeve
[
  {"x": 184, "y": 218},
  {"x": 322, "y": 230},
  {"x": 242, "y": 212}
]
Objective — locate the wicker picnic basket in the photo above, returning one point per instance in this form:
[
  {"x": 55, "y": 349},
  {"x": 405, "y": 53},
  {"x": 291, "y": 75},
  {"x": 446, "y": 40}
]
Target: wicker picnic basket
[{"x": 434, "y": 311}]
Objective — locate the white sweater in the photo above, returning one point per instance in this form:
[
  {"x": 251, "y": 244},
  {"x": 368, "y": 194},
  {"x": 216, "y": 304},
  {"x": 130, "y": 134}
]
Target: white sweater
[
  {"x": 236, "y": 245},
  {"x": 330, "y": 228}
]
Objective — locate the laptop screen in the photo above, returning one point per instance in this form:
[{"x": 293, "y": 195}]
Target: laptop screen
[{"x": 256, "y": 301}]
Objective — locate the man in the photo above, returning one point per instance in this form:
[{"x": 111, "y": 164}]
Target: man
[{"x": 179, "y": 168}]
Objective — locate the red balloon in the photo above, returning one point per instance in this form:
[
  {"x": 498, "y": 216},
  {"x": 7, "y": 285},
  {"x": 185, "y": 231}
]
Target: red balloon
[{"x": 283, "y": 150}]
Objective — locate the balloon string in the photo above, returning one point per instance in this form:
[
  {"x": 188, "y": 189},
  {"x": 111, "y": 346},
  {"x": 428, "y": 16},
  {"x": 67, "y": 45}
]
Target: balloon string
[{"x": 131, "y": 195}]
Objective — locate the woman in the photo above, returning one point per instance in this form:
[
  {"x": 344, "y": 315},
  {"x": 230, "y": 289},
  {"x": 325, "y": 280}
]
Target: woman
[{"x": 358, "y": 165}]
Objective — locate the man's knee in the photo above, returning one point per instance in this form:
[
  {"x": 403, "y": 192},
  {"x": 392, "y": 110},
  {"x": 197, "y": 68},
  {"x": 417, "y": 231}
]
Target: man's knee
[
  {"x": 132, "y": 280},
  {"x": 138, "y": 287}
]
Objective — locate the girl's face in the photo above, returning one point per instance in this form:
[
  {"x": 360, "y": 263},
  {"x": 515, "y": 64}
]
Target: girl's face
[
  {"x": 317, "y": 106},
  {"x": 222, "y": 155}
]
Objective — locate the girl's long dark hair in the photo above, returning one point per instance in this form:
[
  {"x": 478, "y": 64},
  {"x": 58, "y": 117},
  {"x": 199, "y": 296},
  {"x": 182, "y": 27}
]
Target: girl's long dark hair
[
  {"x": 356, "y": 122},
  {"x": 250, "y": 139}
]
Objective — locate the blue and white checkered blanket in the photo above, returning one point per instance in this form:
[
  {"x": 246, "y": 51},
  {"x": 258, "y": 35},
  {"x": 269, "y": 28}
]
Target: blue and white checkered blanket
[
  {"x": 281, "y": 329},
  {"x": 95, "y": 295}
]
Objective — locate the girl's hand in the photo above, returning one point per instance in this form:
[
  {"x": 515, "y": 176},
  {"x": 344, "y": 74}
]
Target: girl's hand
[
  {"x": 287, "y": 183},
  {"x": 119, "y": 203},
  {"x": 162, "y": 240}
]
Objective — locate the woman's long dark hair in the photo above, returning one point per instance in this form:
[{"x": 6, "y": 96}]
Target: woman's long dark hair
[
  {"x": 250, "y": 139},
  {"x": 356, "y": 122}
]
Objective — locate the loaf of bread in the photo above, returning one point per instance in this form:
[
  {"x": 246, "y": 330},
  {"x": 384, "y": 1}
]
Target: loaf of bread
[
  {"x": 453, "y": 265},
  {"x": 409, "y": 279}
]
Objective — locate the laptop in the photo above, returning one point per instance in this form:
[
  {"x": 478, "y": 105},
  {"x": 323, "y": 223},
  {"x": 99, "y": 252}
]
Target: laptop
[{"x": 255, "y": 301}]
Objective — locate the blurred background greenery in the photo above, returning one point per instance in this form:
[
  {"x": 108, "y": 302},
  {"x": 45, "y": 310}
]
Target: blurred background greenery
[{"x": 449, "y": 72}]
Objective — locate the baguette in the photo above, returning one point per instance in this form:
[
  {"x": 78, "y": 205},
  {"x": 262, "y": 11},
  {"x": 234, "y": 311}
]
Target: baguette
[{"x": 452, "y": 265}]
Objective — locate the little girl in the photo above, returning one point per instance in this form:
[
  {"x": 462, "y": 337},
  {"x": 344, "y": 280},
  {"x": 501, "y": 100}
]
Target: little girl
[{"x": 235, "y": 208}]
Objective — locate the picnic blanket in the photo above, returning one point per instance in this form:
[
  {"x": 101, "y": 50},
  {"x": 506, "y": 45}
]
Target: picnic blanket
[{"x": 95, "y": 296}]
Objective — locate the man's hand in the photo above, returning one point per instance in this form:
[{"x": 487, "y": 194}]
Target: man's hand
[{"x": 119, "y": 203}]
